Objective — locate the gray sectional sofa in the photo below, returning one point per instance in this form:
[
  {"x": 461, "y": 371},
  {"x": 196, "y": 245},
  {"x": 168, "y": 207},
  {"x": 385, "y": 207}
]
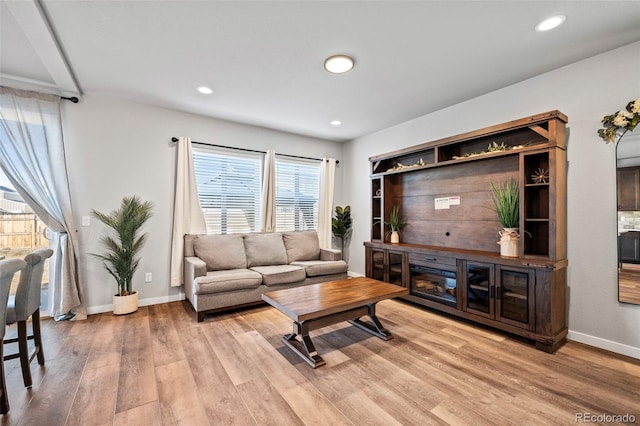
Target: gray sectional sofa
[{"x": 225, "y": 271}]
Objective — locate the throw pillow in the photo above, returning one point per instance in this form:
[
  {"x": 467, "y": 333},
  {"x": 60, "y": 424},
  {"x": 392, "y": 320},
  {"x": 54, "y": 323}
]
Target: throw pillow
[
  {"x": 221, "y": 252},
  {"x": 302, "y": 246},
  {"x": 265, "y": 249}
]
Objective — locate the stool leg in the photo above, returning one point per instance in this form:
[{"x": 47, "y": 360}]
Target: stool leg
[
  {"x": 23, "y": 349},
  {"x": 37, "y": 337},
  {"x": 4, "y": 399}
]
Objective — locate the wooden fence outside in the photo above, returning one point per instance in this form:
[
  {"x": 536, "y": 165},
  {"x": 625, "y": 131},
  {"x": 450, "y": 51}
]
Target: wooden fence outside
[{"x": 19, "y": 232}]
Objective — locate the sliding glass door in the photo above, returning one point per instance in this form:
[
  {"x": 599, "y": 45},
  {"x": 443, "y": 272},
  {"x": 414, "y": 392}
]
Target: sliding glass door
[{"x": 21, "y": 232}]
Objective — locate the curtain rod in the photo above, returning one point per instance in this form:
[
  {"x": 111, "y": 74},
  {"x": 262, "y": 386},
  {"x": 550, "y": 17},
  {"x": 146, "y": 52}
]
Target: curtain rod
[
  {"x": 71, "y": 99},
  {"x": 174, "y": 139}
]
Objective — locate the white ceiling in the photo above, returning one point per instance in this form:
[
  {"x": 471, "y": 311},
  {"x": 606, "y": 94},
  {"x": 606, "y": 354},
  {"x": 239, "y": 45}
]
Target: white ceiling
[{"x": 263, "y": 59}]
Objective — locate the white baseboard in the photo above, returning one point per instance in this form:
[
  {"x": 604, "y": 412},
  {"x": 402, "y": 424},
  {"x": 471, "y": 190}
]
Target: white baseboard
[
  {"x": 605, "y": 344},
  {"x": 353, "y": 274},
  {"x": 142, "y": 302}
]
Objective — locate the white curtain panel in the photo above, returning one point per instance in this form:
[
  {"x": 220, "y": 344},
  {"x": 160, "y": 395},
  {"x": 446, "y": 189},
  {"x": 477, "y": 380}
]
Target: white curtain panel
[
  {"x": 268, "y": 201},
  {"x": 325, "y": 204},
  {"x": 33, "y": 158},
  {"x": 188, "y": 217}
]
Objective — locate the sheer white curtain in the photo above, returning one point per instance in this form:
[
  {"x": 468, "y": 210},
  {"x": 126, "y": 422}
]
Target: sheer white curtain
[
  {"x": 268, "y": 201},
  {"x": 33, "y": 158},
  {"x": 325, "y": 204},
  {"x": 187, "y": 213}
]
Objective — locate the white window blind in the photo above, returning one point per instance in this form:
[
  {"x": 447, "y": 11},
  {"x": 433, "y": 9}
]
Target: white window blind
[
  {"x": 297, "y": 194},
  {"x": 229, "y": 186}
]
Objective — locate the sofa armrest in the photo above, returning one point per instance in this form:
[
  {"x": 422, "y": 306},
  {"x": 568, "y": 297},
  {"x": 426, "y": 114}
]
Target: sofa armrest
[
  {"x": 330, "y": 254},
  {"x": 194, "y": 267}
]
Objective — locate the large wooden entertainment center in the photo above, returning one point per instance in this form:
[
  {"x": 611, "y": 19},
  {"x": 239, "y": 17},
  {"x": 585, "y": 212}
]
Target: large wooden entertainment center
[{"x": 449, "y": 257}]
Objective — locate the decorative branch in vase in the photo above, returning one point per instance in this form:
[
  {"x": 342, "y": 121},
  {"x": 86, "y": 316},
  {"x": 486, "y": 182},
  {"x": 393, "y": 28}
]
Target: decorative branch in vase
[
  {"x": 395, "y": 223},
  {"x": 506, "y": 203}
]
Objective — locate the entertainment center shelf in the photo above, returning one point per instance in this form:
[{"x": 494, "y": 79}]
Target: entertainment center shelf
[{"x": 449, "y": 257}]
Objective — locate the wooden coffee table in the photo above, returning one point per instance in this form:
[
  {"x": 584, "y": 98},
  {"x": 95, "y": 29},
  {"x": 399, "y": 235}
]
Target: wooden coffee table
[{"x": 319, "y": 305}]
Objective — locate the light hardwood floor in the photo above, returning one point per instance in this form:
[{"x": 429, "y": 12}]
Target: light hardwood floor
[
  {"x": 159, "y": 366},
  {"x": 629, "y": 283}
]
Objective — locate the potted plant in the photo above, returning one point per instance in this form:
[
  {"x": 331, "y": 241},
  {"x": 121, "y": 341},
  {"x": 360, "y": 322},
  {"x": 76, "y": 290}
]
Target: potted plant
[
  {"x": 341, "y": 225},
  {"x": 506, "y": 203},
  {"x": 395, "y": 223},
  {"x": 121, "y": 258}
]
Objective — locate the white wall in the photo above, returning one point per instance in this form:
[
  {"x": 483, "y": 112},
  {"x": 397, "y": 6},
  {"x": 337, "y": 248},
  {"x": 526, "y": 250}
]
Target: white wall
[
  {"x": 118, "y": 148},
  {"x": 585, "y": 91}
]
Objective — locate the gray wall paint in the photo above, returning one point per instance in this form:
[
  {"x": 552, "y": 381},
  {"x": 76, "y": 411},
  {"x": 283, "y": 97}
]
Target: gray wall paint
[
  {"x": 585, "y": 91},
  {"x": 118, "y": 148}
]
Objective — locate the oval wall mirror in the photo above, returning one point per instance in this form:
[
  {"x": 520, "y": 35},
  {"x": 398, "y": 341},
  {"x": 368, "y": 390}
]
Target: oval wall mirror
[{"x": 628, "y": 200}]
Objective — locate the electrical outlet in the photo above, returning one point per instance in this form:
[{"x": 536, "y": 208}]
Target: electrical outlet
[
  {"x": 86, "y": 220},
  {"x": 148, "y": 277}
]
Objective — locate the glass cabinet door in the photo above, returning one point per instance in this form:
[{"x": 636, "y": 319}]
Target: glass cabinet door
[
  {"x": 377, "y": 264},
  {"x": 395, "y": 268},
  {"x": 514, "y": 296},
  {"x": 479, "y": 285}
]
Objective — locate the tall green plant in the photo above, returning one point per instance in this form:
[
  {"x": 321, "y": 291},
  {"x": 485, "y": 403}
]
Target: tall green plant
[
  {"x": 341, "y": 225},
  {"x": 121, "y": 259},
  {"x": 506, "y": 202}
]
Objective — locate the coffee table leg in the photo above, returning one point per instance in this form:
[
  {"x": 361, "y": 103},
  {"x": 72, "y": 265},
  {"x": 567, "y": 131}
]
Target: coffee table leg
[
  {"x": 304, "y": 347},
  {"x": 374, "y": 327}
]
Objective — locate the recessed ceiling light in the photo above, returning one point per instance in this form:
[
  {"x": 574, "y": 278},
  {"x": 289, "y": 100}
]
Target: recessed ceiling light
[
  {"x": 205, "y": 90},
  {"x": 336, "y": 122},
  {"x": 338, "y": 64},
  {"x": 550, "y": 23}
]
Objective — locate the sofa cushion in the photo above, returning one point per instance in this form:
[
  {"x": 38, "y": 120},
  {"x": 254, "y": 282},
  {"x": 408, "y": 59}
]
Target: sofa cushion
[
  {"x": 227, "y": 280},
  {"x": 221, "y": 252},
  {"x": 315, "y": 268},
  {"x": 265, "y": 249},
  {"x": 280, "y": 274},
  {"x": 301, "y": 245}
]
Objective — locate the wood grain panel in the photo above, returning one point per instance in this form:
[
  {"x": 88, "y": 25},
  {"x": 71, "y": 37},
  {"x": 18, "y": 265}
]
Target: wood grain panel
[
  {"x": 106, "y": 348},
  {"x": 165, "y": 342},
  {"x": 266, "y": 404},
  {"x": 176, "y": 395},
  {"x": 137, "y": 384},
  {"x": 473, "y": 224},
  {"x": 224, "y": 406},
  {"x": 95, "y": 399},
  {"x": 229, "y": 352},
  {"x": 310, "y": 405},
  {"x": 143, "y": 415}
]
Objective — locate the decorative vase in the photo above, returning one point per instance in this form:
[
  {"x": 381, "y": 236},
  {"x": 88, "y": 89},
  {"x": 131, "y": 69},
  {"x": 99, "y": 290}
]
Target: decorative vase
[
  {"x": 395, "y": 237},
  {"x": 123, "y": 305},
  {"x": 509, "y": 239}
]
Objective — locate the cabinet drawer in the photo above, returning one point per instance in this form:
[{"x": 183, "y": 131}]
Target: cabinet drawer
[{"x": 430, "y": 260}]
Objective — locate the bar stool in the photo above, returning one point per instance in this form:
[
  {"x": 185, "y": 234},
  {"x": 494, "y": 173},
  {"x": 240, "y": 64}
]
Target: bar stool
[
  {"x": 25, "y": 304},
  {"x": 7, "y": 269}
]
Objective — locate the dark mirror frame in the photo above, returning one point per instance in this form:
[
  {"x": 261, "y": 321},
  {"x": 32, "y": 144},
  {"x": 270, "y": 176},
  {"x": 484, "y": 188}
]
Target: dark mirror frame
[{"x": 628, "y": 218}]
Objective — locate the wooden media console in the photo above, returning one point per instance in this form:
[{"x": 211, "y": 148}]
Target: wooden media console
[{"x": 449, "y": 257}]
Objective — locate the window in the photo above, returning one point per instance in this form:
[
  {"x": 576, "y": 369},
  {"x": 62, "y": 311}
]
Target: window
[
  {"x": 297, "y": 194},
  {"x": 229, "y": 185}
]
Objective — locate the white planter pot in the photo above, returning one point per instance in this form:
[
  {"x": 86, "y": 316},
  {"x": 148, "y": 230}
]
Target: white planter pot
[
  {"x": 509, "y": 242},
  {"x": 123, "y": 305},
  {"x": 395, "y": 237}
]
